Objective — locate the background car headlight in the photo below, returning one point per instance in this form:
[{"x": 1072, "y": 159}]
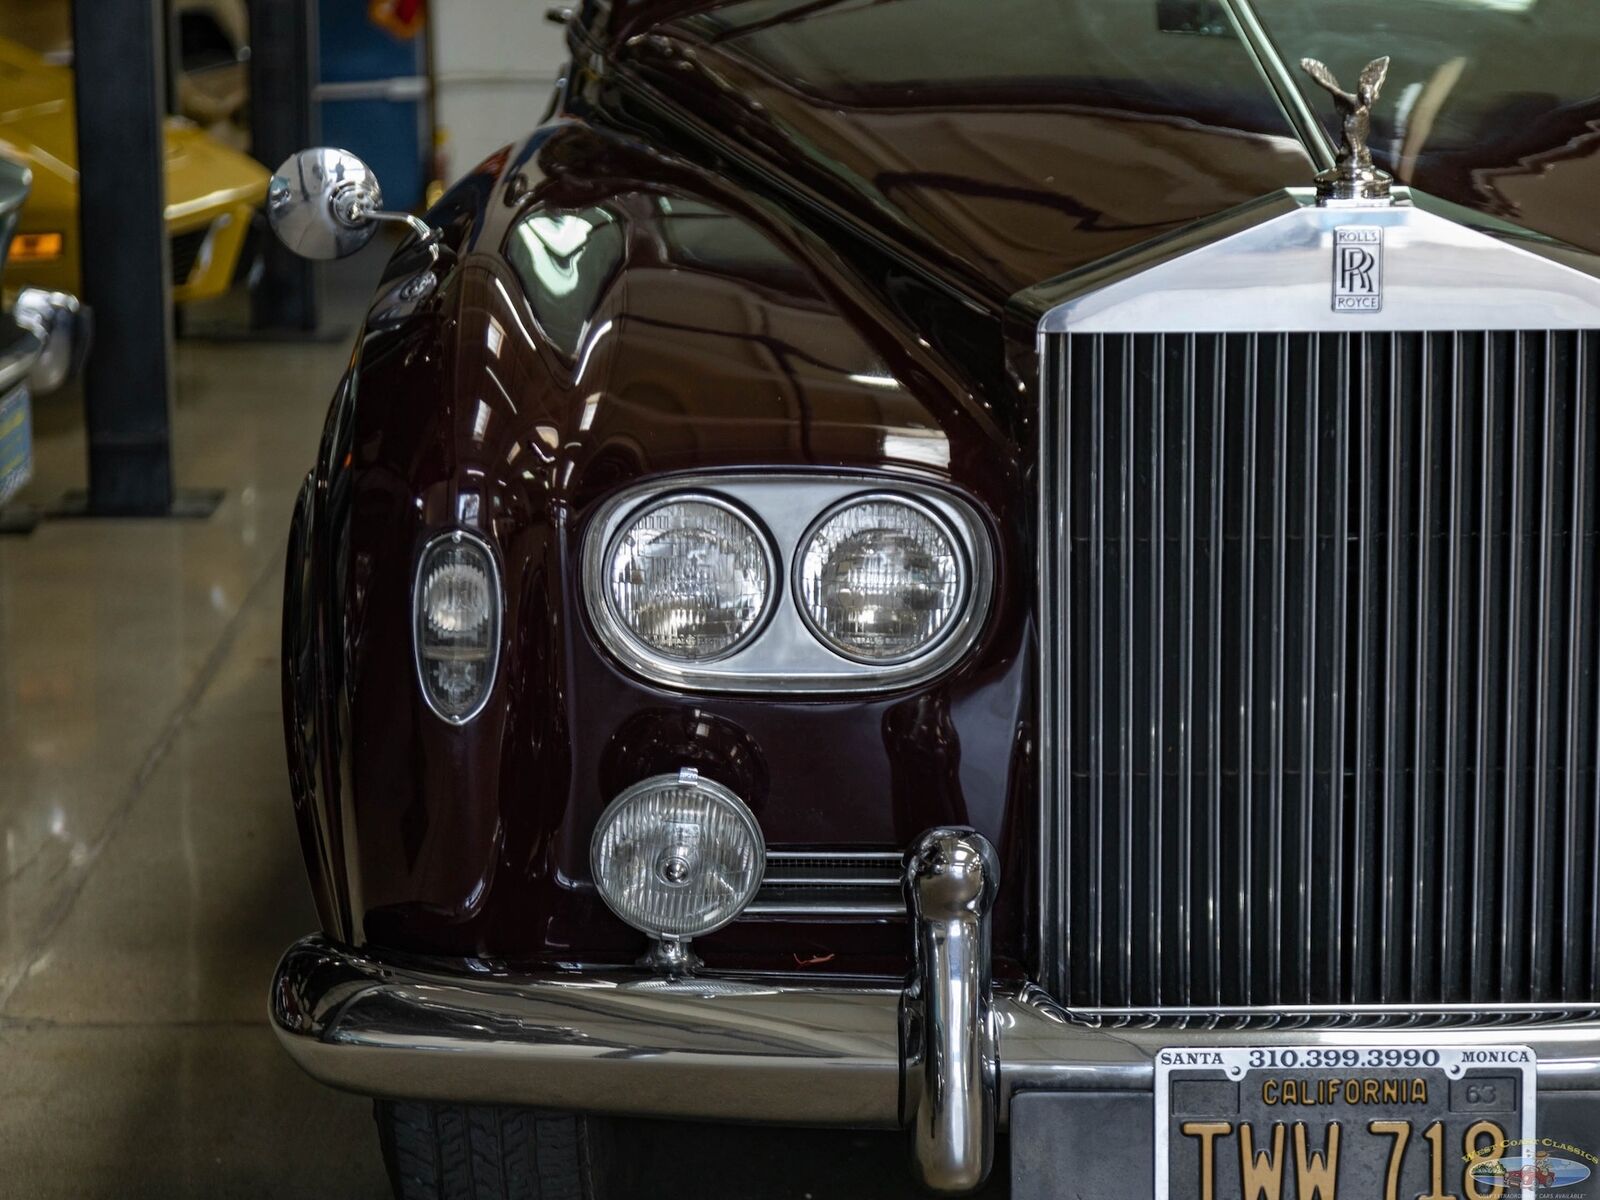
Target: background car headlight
[
  {"x": 880, "y": 579},
  {"x": 677, "y": 856},
  {"x": 690, "y": 578},
  {"x": 457, "y": 625}
]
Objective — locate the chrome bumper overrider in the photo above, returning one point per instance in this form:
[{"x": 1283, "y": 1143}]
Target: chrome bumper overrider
[{"x": 942, "y": 1056}]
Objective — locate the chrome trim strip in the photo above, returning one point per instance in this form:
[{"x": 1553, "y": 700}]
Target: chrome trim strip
[
  {"x": 496, "y": 594},
  {"x": 824, "y": 909},
  {"x": 1281, "y": 80},
  {"x": 784, "y": 656},
  {"x": 949, "y": 1035},
  {"x": 1267, "y": 267}
]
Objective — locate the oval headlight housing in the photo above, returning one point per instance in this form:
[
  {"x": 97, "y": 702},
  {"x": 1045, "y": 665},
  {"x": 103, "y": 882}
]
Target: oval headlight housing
[
  {"x": 880, "y": 579},
  {"x": 689, "y": 578},
  {"x": 677, "y": 856},
  {"x": 457, "y": 625}
]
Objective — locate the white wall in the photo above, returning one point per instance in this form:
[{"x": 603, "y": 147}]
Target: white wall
[{"x": 495, "y": 64}]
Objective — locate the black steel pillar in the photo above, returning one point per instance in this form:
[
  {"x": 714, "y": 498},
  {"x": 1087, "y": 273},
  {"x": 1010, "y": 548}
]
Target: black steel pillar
[
  {"x": 283, "y": 120},
  {"x": 119, "y": 55}
]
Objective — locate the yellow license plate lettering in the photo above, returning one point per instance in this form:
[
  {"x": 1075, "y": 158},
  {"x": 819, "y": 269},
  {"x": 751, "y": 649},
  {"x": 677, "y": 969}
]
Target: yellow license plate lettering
[
  {"x": 1480, "y": 1155},
  {"x": 1401, "y": 1132},
  {"x": 1317, "y": 1171},
  {"x": 1435, "y": 1135},
  {"x": 1208, "y": 1132},
  {"x": 1261, "y": 1171}
]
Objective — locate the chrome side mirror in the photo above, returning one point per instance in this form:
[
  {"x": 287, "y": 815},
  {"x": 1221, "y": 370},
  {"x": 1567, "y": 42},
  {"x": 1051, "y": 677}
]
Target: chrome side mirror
[{"x": 326, "y": 203}]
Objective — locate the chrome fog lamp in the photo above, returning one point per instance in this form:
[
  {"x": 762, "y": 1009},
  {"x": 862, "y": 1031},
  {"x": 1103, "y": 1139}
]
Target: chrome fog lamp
[
  {"x": 457, "y": 624},
  {"x": 689, "y": 578},
  {"x": 880, "y": 579},
  {"x": 677, "y": 856}
]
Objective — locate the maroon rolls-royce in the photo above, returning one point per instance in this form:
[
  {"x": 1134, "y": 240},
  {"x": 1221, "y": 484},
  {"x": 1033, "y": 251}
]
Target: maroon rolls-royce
[{"x": 1024, "y": 568}]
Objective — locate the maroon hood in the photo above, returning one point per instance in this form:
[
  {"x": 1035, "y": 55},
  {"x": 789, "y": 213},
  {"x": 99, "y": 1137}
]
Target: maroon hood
[
  {"x": 1006, "y": 143},
  {"x": 995, "y": 160}
]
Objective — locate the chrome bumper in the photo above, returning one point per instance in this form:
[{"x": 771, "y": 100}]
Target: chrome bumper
[{"x": 942, "y": 1056}]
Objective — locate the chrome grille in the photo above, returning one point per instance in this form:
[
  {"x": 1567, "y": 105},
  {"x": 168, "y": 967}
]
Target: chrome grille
[
  {"x": 1319, "y": 670},
  {"x": 830, "y": 884}
]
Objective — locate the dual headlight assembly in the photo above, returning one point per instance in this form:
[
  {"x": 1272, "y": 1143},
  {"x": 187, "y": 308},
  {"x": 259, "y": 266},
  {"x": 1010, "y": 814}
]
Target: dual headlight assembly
[
  {"x": 739, "y": 584},
  {"x": 787, "y": 584}
]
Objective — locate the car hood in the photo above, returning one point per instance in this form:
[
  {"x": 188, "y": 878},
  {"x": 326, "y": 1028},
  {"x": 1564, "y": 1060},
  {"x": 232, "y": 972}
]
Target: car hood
[
  {"x": 1008, "y": 143},
  {"x": 38, "y": 127},
  {"x": 998, "y": 158}
]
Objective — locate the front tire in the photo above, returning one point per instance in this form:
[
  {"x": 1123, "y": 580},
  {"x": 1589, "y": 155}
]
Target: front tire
[{"x": 485, "y": 1152}]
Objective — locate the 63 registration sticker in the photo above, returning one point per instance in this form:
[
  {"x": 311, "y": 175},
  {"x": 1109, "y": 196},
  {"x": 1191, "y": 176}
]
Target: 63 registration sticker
[{"x": 1325, "y": 1122}]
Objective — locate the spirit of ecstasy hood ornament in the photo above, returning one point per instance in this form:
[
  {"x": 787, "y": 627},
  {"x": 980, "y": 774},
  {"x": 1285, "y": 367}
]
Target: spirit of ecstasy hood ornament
[{"x": 1354, "y": 178}]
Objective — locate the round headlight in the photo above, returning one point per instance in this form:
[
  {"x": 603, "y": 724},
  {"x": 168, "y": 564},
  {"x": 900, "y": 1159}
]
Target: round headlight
[
  {"x": 880, "y": 579},
  {"x": 457, "y": 631},
  {"x": 689, "y": 578},
  {"x": 677, "y": 856}
]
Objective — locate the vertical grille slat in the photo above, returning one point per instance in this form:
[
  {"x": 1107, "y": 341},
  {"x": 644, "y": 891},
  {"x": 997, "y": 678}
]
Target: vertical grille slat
[
  {"x": 1186, "y": 623},
  {"x": 1213, "y": 777},
  {"x": 1393, "y": 781},
  {"x": 1422, "y": 849},
  {"x": 1276, "y": 632},
  {"x": 1481, "y": 966},
  {"x": 1538, "y": 927},
  {"x": 1456, "y": 878},
  {"x": 1339, "y": 553},
  {"x": 1571, "y": 796},
  {"x": 1510, "y": 964},
  {"x": 1363, "y": 899},
  {"x": 1245, "y": 862},
  {"x": 1125, "y": 660},
  {"x": 1308, "y": 888},
  {"x": 1096, "y": 696},
  {"x": 1320, "y": 670}
]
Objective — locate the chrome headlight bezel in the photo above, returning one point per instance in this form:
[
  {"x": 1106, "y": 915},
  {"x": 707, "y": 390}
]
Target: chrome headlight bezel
[
  {"x": 497, "y": 605},
  {"x": 784, "y": 656},
  {"x": 615, "y": 628}
]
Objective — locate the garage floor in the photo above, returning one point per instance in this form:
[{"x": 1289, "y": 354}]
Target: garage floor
[{"x": 151, "y": 873}]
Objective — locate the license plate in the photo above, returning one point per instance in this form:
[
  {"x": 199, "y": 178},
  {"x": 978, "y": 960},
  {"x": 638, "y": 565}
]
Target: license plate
[
  {"x": 1346, "y": 1123},
  {"x": 16, "y": 442}
]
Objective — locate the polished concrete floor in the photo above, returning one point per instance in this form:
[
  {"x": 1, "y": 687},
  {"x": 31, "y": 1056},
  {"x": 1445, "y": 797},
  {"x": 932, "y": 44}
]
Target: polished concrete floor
[{"x": 151, "y": 874}]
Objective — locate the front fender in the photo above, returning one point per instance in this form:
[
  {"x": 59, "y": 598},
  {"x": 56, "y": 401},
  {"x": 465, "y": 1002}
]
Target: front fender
[{"x": 597, "y": 314}]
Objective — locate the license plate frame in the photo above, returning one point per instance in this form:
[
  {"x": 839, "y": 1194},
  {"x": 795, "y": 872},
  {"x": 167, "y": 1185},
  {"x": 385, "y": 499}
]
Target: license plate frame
[{"x": 1451, "y": 1064}]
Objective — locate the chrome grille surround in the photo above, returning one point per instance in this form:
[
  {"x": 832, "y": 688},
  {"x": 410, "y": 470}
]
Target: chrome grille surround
[{"x": 1181, "y": 878}]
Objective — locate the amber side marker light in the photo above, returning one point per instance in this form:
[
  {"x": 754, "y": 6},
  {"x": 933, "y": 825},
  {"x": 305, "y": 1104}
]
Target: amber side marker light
[{"x": 36, "y": 247}]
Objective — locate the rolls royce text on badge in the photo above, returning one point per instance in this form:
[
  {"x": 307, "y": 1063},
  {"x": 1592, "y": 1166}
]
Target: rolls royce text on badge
[{"x": 1002, "y": 571}]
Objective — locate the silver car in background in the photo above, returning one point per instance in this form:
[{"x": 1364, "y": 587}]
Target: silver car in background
[{"x": 43, "y": 340}]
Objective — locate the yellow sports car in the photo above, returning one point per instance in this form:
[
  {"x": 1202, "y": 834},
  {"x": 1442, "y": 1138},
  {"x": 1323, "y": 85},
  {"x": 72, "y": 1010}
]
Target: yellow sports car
[{"x": 211, "y": 190}]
